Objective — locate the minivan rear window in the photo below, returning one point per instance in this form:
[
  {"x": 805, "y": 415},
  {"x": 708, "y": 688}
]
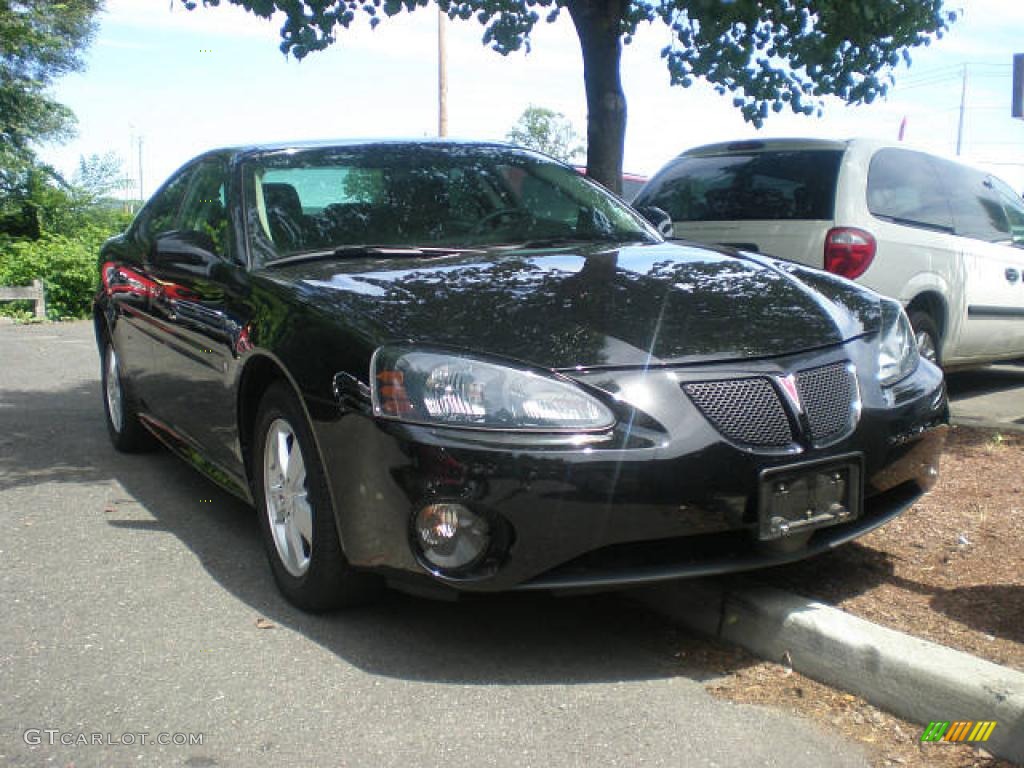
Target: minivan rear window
[{"x": 782, "y": 185}]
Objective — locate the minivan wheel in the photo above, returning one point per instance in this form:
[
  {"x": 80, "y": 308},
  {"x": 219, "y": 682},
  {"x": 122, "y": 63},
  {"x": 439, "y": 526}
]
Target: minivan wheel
[
  {"x": 927, "y": 335},
  {"x": 295, "y": 512}
]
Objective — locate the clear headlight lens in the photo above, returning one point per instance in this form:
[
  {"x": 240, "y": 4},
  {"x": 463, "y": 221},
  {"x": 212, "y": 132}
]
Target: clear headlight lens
[
  {"x": 463, "y": 391},
  {"x": 897, "y": 349}
]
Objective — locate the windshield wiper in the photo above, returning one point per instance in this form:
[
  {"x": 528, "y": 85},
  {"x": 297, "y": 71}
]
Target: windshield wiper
[
  {"x": 358, "y": 251},
  {"x": 553, "y": 242}
]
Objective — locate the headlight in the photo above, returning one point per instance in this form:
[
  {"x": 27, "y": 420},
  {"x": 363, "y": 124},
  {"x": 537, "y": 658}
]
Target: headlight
[
  {"x": 897, "y": 350},
  {"x": 464, "y": 391}
]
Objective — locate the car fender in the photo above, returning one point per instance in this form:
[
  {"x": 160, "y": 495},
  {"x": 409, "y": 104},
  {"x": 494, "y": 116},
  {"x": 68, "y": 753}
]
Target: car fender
[
  {"x": 246, "y": 366},
  {"x": 952, "y": 302}
]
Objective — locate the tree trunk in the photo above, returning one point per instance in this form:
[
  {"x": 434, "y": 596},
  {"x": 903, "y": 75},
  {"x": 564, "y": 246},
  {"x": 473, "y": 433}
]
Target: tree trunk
[{"x": 597, "y": 24}]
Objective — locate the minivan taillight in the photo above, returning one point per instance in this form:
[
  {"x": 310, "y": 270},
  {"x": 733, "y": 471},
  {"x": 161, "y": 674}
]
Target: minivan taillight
[{"x": 848, "y": 251}]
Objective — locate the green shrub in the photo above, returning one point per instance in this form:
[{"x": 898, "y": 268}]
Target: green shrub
[{"x": 68, "y": 267}]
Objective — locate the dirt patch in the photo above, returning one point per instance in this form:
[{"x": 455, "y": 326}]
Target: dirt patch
[
  {"x": 950, "y": 568},
  {"x": 888, "y": 740}
]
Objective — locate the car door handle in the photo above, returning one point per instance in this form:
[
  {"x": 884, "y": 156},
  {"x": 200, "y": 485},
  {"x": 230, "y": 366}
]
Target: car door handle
[{"x": 1012, "y": 275}]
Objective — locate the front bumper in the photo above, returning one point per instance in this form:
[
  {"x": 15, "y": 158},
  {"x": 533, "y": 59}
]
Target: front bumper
[{"x": 663, "y": 497}]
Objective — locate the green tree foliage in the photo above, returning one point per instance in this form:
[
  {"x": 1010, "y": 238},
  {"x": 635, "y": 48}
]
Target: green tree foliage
[
  {"x": 66, "y": 265},
  {"x": 52, "y": 230},
  {"x": 771, "y": 54},
  {"x": 49, "y": 229},
  {"x": 546, "y": 131},
  {"x": 40, "y": 41},
  {"x": 99, "y": 175}
]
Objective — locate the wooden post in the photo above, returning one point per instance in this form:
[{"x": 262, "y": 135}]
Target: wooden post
[{"x": 40, "y": 299}]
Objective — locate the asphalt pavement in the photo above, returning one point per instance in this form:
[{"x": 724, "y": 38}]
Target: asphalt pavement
[
  {"x": 988, "y": 397},
  {"x": 133, "y": 589}
]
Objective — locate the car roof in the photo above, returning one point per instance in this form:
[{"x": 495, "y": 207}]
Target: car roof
[
  {"x": 766, "y": 145},
  {"x": 261, "y": 148},
  {"x": 861, "y": 144}
]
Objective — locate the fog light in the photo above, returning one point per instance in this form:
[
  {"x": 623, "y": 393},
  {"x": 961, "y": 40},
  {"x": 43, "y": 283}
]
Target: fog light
[{"x": 450, "y": 536}]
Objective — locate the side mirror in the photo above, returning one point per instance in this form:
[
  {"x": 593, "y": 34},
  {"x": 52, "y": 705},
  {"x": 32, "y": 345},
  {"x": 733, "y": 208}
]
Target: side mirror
[
  {"x": 659, "y": 219},
  {"x": 186, "y": 253}
]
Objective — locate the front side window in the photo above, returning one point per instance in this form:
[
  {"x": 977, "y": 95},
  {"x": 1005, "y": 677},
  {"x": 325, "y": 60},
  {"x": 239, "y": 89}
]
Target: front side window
[
  {"x": 205, "y": 207},
  {"x": 427, "y": 196},
  {"x": 751, "y": 186},
  {"x": 905, "y": 187},
  {"x": 161, "y": 214}
]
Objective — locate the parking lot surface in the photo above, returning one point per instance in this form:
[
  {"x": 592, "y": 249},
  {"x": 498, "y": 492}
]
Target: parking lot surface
[{"x": 138, "y": 607}]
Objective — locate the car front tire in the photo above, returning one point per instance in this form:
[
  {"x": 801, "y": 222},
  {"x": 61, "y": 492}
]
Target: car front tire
[
  {"x": 122, "y": 416},
  {"x": 296, "y": 516}
]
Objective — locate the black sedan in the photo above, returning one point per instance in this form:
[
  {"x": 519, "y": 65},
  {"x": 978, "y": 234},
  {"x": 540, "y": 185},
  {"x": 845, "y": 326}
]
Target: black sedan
[{"x": 464, "y": 367}]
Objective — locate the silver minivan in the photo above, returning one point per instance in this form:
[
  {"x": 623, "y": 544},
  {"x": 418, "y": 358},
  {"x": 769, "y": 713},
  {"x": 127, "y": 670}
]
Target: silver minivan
[{"x": 945, "y": 239}]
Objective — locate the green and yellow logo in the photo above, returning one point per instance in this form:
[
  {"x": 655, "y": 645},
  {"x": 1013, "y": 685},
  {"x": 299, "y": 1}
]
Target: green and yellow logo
[{"x": 958, "y": 730}]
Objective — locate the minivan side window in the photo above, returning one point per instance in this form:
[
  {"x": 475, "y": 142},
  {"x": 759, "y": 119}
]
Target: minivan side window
[
  {"x": 977, "y": 209},
  {"x": 905, "y": 187}
]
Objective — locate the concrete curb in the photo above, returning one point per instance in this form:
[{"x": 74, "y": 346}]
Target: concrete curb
[
  {"x": 980, "y": 423},
  {"x": 912, "y": 678}
]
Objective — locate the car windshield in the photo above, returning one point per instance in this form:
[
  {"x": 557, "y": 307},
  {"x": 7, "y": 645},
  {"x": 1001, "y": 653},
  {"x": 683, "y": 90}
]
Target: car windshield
[{"x": 422, "y": 196}]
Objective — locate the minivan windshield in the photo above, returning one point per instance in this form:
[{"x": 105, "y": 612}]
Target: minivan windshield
[
  {"x": 744, "y": 186},
  {"x": 341, "y": 199}
]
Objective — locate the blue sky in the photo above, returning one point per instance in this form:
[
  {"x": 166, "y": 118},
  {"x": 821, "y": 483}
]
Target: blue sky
[{"x": 189, "y": 81}]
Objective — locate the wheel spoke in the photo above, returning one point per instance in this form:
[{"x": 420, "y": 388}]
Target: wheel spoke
[
  {"x": 295, "y": 475},
  {"x": 302, "y": 517},
  {"x": 295, "y": 547},
  {"x": 283, "y": 453}
]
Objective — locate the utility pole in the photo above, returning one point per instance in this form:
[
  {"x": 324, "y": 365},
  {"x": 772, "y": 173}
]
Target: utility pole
[
  {"x": 129, "y": 174},
  {"x": 142, "y": 195},
  {"x": 963, "y": 109},
  {"x": 442, "y": 74}
]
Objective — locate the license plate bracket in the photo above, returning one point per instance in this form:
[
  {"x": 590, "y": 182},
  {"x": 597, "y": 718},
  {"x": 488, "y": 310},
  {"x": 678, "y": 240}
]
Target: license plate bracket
[{"x": 799, "y": 498}]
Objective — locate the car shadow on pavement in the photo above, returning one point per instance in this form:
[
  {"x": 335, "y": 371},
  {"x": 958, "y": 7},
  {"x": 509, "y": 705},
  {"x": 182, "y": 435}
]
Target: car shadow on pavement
[
  {"x": 499, "y": 639},
  {"x": 995, "y": 609},
  {"x": 857, "y": 568},
  {"x": 982, "y": 381}
]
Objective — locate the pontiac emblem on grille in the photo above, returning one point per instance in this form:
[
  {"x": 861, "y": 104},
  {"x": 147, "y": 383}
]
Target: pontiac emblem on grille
[{"x": 788, "y": 386}]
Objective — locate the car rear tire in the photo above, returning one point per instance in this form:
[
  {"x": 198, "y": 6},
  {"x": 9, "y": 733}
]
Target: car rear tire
[
  {"x": 927, "y": 334},
  {"x": 122, "y": 415},
  {"x": 296, "y": 516}
]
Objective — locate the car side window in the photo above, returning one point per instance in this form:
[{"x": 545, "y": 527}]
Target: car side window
[
  {"x": 905, "y": 187},
  {"x": 205, "y": 208},
  {"x": 161, "y": 215},
  {"x": 978, "y": 211}
]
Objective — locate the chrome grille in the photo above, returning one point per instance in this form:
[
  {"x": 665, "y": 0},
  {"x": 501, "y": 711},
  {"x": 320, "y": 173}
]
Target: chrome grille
[
  {"x": 744, "y": 410},
  {"x": 829, "y": 397}
]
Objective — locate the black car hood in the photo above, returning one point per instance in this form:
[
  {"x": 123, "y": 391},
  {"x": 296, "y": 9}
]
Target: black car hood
[{"x": 594, "y": 306}]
